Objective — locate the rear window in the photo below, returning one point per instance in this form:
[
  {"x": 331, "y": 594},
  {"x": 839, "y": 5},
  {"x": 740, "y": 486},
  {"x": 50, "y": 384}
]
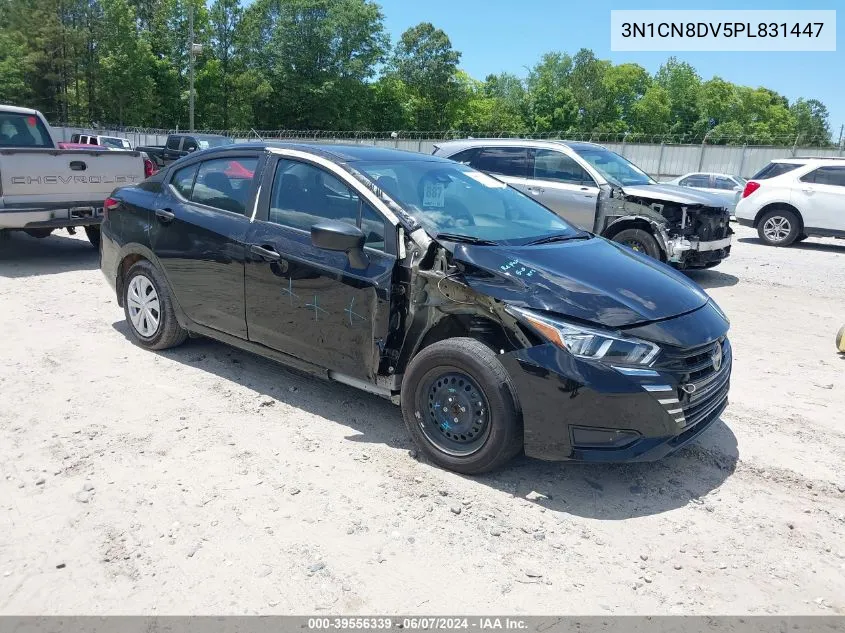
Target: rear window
[
  {"x": 773, "y": 170},
  {"x": 23, "y": 130}
]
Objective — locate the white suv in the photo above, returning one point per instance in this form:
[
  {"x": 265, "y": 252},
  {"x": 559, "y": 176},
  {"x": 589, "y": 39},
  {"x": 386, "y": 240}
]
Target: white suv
[{"x": 793, "y": 198}]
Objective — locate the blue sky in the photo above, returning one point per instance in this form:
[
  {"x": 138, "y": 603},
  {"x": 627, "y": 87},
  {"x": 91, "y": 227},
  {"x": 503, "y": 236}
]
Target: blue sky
[{"x": 506, "y": 35}]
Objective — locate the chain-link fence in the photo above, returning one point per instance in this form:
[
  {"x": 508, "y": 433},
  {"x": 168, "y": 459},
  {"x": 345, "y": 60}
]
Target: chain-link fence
[{"x": 662, "y": 156}]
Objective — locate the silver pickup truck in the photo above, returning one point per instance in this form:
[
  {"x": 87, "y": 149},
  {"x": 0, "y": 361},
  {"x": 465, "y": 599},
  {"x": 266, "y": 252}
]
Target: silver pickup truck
[{"x": 43, "y": 188}]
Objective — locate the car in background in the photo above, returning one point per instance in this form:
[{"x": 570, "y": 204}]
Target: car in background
[
  {"x": 179, "y": 145},
  {"x": 495, "y": 324},
  {"x": 792, "y": 199},
  {"x": 601, "y": 191},
  {"x": 44, "y": 187},
  {"x": 725, "y": 186},
  {"x": 110, "y": 142}
]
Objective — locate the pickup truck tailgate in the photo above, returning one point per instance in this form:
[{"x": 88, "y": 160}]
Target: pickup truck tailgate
[{"x": 45, "y": 178}]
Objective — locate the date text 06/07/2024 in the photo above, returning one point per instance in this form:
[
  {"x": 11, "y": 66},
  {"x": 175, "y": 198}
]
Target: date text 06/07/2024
[{"x": 433, "y": 623}]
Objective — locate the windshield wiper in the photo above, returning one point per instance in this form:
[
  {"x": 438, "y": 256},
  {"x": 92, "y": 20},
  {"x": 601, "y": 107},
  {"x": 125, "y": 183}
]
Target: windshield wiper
[
  {"x": 467, "y": 239},
  {"x": 560, "y": 237}
]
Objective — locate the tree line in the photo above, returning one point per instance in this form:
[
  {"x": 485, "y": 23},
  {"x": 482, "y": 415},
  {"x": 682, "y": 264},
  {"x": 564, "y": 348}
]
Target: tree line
[{"x": 330, "y": 65}]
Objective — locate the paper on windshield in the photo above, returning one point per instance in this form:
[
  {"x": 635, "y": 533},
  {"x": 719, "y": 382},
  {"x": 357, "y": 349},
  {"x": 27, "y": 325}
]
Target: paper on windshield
[
  {"x": 434, "y": 195},
  {"x": 486, "y": 180}
]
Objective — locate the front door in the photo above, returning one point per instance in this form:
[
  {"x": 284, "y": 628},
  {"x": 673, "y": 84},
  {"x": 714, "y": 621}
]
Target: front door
[
  {"x": 199, "y": 232},
  {"x": 308, "y": 302}
]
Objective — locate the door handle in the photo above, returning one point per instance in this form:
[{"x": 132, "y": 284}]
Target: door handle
[
  {"x": 165, "y": 216},
  {"x": 78, "y": 165},
  {"x": 267, "y": 253},
  {"x": 536, "y": 191},
  {"x": 808, "y": 190}
]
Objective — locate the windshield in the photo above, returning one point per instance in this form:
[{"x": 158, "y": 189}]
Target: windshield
[
  {"x": 119, "y": 143},
  {"x": 612, "y": 166},
  {"x": 458, "y": 201},
  {"x": 23, "y": 130},
  {"x": 214, "y": 141}
]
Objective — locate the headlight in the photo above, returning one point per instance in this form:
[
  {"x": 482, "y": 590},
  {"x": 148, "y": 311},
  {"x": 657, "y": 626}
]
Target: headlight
[{"x": 589, "y": 343}]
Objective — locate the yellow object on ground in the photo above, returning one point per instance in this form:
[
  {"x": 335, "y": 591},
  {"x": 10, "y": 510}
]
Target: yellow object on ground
[{"x": 840, "y": 339}]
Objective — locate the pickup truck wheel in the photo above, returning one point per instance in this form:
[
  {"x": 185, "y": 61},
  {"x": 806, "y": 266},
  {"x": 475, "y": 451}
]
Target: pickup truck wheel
[
  {"x": 39, "y": 233},
  {"x": 778, "y": 227},
  {"x": 93, "y": 233},
  {"x": 460, "y": 406},
  {"x": 640, "y": 241},
  {"x": 149, "y": 309}
]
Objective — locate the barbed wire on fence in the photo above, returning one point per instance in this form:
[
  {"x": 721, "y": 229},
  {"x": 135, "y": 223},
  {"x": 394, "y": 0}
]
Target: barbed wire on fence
[{"x": 443, "y": 135}]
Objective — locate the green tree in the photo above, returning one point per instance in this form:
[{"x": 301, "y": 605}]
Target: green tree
[
  {"x": 812, "y": 121},
  {"x": 682, "y": 85}
]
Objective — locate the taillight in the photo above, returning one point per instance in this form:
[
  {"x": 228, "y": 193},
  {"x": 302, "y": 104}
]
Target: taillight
[
  {"x": 110, "y": 204},
  {"x": 149, "y": 168},
  {"x": 750, "y": 187}
]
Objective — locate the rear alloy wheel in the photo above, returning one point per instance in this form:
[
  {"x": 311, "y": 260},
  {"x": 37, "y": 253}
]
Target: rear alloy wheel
[
  {"x": 779, "y": 227},
  {"x": 460, "y": 406},
  {"x": 149, "y": 310},
  {"x": 93, "y": 233},
  {"x": 640, "y": 241}
]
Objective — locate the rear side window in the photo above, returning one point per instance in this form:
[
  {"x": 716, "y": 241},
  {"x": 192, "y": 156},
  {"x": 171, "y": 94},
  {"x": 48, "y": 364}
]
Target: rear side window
[
  {"x": 696, "y": 180},
  {"x": 827, "y": 176},
  {"x": 773, "y": 170},
  {"x": 173, "y": 142},
  {"x": 224, "y": 183},
  {"x": 507, "y": 161},
  {"x": 466, "y": 156},
  {"x": 557, "y": 166},
  {"x": 23, "y": 130},
  {"x": 183, "y": 180}
]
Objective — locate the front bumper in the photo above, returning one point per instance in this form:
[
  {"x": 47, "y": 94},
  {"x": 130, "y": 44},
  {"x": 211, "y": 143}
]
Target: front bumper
[
  {"x": 693, "y": 252},
  {"x": 650, "y": 416}
]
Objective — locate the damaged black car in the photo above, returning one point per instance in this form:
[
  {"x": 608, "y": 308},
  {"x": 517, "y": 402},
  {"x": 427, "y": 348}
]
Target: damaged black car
[
  {"x": 602, "y": 192},
  {"x": 497, "y": 326}
]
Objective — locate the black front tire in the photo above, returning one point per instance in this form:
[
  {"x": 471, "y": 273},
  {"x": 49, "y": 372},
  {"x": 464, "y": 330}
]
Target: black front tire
[
  {"x": 639, "y": 240},
  {"x": 169, "y": 333},
  {"x": 93, "y": 233},
  {"x": 504, "y": 438}
]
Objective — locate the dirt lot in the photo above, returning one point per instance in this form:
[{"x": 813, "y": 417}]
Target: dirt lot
[{"x": 206, "y": 480}]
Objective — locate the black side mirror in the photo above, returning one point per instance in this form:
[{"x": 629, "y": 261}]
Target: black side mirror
[{"x": 340, "y": 236}]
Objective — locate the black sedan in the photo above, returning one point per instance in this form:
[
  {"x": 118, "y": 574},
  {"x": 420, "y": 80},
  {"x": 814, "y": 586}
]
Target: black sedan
[{"x": 496, "y": 325}]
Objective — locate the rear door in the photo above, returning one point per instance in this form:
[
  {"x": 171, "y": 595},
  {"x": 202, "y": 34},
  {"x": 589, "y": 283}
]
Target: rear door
[
  {"x": 308, "y": 302},
  {"x": 820, "y": 196},
  {"x": 199, "y": 233},
  {"x": 564, "y": 186}
]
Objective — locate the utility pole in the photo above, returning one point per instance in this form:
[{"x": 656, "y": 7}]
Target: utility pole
[{"x": 191, "y": 67}]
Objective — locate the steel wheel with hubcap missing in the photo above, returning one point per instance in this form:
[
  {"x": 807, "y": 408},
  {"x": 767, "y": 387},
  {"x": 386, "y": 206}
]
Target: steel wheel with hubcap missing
[
  {"x": 144, "y": 306},
  {"x": 457, "y": 417}
]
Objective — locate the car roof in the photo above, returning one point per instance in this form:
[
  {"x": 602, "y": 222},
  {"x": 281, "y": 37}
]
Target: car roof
[
  {"x": 17, "y": 109},
  {"x": 529, "y": 142},
  {"x": 709, "y": 173},
  {"x": 803, "y": 160},
  {"x": 335, "y": 152}
]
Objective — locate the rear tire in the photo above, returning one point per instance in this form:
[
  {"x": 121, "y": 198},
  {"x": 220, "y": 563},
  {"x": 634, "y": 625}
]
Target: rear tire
[
  {"x": 38, "y": 233},
  {"x": 778, "y": 227},
  {"x": 487, "y": 429},
  {"x": 149, "y": 309},
  {"x": 639, "y": 240},
  {"x": 93, "y": 233}
]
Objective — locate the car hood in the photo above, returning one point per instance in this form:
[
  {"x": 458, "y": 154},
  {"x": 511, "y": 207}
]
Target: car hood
[
  {"x": 591, "y": 280},
  {"x": 674, "y": 193}
]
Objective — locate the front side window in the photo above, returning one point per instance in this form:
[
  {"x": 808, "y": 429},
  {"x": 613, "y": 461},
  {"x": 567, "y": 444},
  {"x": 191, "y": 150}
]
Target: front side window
[
  {"x": 189, "y": 145},
  {"x": 725, "y": 183},
  {"x": 23, "y": 130},
  {"x": 557, "y": 166},
  {"x": 827, "y": 176},
  {"x": 223, "y": 183},
  {"x": 304, "y": 194},
  {"x": 507, "y": 161},
  {"x": 451, "y": 199},
  {"x": 614, "y": 167}
]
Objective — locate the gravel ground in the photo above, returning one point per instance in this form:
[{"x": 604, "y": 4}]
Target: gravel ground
[{"x": 205, "y": 480}]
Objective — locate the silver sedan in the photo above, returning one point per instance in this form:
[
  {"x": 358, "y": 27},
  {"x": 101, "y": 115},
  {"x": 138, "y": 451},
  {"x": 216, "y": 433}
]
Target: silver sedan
[{"x": 726, "y": 186}]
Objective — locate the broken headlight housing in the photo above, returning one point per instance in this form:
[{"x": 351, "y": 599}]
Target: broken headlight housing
[{"x": 589, "y": 343}]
